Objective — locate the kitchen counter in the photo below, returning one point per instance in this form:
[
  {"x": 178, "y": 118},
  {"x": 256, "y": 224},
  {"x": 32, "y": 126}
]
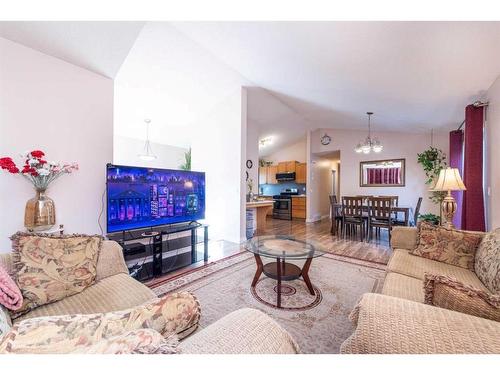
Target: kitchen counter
[
  {"x": 262, "y": 208},
  {"x": 255, "y": 204}
]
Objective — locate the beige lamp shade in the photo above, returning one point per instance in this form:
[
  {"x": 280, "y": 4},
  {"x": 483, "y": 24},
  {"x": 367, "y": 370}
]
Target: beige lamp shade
[{"x": 449, "y": 179}]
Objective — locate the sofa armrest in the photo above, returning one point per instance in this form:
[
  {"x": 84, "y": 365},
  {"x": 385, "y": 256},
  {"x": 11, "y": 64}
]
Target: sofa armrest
[
  {"x": 110, "y": 261},
  {"x": 245, "y": 331},
  {"x": 404, "y": 238},
  {"x": 390, "y": 325}
]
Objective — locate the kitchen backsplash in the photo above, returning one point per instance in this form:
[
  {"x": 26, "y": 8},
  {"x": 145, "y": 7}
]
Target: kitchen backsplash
[{"x": 275, "y": 189}]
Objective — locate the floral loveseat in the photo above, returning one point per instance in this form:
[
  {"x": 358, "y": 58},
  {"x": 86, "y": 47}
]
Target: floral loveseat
[
  {"x": 399, "y": 321},
  {"x": 243, "y": 331}
]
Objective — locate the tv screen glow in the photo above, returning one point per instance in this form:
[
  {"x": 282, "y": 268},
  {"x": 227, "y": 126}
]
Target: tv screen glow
[{"x": 145, "y": 197}]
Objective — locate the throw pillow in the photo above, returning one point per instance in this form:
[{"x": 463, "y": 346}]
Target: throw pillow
[
  {"x": 487, "y": 262},
  {"x": 139, "y": 341},
  {"x": 450, "y": 246},
  {"x": 173, "y": 314},
  {"x": 451, "y": 294},
  {"x": 49, "y": 268}
]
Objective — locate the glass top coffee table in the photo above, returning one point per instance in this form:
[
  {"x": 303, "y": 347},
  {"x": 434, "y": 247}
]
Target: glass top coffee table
[{"x": 283, "y": 248}]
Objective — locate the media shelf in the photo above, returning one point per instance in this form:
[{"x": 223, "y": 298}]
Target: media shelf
[{"x": 153, "y": 252}]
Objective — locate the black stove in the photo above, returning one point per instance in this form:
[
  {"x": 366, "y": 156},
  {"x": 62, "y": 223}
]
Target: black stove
[{"x": 283, "y": 204}]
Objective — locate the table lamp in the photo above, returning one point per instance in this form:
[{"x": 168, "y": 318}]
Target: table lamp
[{"x": 449, "y": 180}]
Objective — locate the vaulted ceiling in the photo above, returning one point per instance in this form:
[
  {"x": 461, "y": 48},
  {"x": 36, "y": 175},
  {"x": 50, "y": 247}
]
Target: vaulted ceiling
[
  {"x": 97, "y": 46},
  {"x": 414, "y": 75}
]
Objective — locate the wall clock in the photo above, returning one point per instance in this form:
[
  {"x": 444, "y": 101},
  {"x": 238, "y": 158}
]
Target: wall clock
[
  {"x": 249, "y": 164},
  {"x": 326, "y": 139}
]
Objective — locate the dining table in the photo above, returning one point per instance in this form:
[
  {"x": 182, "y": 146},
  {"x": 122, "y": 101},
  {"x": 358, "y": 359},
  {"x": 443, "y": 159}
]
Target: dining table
[{"x": 405, "y": 210}]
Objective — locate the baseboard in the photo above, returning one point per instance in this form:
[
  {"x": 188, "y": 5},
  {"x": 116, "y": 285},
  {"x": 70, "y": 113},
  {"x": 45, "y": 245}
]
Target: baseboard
[{"x": 317, "y": 218}]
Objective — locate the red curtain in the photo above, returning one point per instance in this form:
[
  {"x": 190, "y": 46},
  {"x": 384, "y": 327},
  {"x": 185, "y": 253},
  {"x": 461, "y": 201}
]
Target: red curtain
[
  {"x": 473, "y": 201},
  {"x": 384, "y": 175},
  {"x": 456, "y": 161}
]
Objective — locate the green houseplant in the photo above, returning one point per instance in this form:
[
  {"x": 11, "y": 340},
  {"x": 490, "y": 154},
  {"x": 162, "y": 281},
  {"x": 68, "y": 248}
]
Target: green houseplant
[
  {"x": 187, "y": 161},
  {"x": 430, "y": 218},
  {"x": 432, "y": 161}
]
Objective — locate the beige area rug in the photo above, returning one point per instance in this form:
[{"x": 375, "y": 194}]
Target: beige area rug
[{"x": 318, "y": 323}]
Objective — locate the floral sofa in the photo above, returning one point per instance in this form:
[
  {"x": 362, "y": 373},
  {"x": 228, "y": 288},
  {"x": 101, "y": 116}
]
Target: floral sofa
[
  {"x": 402, "y": 319},
  {"x": 243, "y": 331}
]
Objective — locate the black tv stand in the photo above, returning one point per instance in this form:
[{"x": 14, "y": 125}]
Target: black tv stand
[{"x": 157, "y": 241}]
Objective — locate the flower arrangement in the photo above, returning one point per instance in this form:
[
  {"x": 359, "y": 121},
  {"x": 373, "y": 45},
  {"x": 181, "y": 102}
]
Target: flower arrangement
[{"x": 37, "y": 170}]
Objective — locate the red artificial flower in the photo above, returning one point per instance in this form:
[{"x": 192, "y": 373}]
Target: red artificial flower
[
  {"x": 37, "y": 154},
  {"x": 41, "y": 161},
  {"x": 29, "y": 170},
  {"x": 5, "y": 162},
  {"x": 9, "y": 165}
]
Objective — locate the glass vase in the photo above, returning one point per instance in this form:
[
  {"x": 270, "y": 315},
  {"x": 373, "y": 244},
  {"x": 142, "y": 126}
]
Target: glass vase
[{"x": 40, "y": 212}]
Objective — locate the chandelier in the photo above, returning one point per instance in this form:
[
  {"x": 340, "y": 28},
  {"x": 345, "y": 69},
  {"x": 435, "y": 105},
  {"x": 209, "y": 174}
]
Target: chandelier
[
  {"x": 148, "y": 151},
  {"x": 370, "y": 144}
]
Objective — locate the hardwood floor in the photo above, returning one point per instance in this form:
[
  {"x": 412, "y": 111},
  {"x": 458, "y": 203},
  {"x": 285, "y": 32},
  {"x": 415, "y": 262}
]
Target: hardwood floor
[{"x": 377, "y": 252}]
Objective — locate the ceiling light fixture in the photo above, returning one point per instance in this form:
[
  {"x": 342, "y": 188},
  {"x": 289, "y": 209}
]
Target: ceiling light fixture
[
  {"x": 370, "y": 144},
  {"x": 148, "y": 151},
  {"x": 265, "y": 141}
]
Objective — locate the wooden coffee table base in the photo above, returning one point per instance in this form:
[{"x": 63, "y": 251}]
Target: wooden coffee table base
[{"x": 282, "y": 271}]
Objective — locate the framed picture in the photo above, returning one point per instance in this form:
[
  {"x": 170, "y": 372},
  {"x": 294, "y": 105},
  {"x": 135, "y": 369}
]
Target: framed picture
[{"x": 382, "y": 173}]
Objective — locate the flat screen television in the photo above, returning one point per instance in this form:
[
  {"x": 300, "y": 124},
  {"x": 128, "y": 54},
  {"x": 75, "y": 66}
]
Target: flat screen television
[{"x": 146, "y": 197}]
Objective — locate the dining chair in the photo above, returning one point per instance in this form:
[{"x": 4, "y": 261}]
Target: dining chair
[
  {"x": 413, "y": 223},
  {"x": 352, "y": 216},
  {"x": 380, "y": 216},
  {"x": 336, "y": 215},
  {"x": 417, "y": 211}
]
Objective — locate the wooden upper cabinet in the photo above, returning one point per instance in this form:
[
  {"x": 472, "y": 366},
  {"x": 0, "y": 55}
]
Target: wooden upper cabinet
[
  {"x": 286, "y": 166},
  {"x": 282, "y": 167},
  {"x": 291, "y": 166},
  {"x": 263, "y": 175},
  {"x": 271, "y": 174},
  {"x": 301, "y": 173}
]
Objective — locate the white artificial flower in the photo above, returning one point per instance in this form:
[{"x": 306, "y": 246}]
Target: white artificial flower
[
  {"x": 43, "y": 171},
  {"x": 32, "y": 161}
]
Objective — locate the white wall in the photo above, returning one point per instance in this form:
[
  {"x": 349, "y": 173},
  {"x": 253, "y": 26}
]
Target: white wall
[
  {"x": 126, "y": 151},
  {"x": 396, "y": 145},
  {"x": 295, "y": 151},
  {"x": 192, "y": 99},
  {"x": 66, "y": 111},
  {"x": 493, "y": 156},
  {"x": 252, "y": 153}
]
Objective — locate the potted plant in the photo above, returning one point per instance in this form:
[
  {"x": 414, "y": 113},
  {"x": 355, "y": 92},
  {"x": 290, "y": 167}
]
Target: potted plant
[
  {"x": 432, "y": 161},
  {"x": 40, "y": 210},
  {"x": 430, "y": 218}
]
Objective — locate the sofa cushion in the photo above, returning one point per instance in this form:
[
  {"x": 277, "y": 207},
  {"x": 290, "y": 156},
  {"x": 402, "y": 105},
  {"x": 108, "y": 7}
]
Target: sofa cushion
[
  {"x": 114, "y": 293},
  {"x": 389, "y": 325},
  {"x": 48, "y": 269},
  {"x": 244, "y": 331},
  {"x": 487, "y": 263},
  {"x": 448, "y": 293},
  {"x": 65, "y": 333},
  {"x": 403, "y": 286},
  {"x": 450, "y": 246},
  {"x": 406, "y": 264}
]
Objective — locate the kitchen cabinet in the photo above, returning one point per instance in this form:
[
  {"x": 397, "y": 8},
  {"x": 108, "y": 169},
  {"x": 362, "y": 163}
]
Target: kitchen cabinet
[
  {"x": 301, "y": 173},
  {"x": 271, "y": 174},
  {"x": 298, "y": 207},
  {"x": 291, "y": 166},
  {"x": 263, "y": 175},
  {"x": 286, "y": 166},
  {"x": 282, "y": 165}
]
